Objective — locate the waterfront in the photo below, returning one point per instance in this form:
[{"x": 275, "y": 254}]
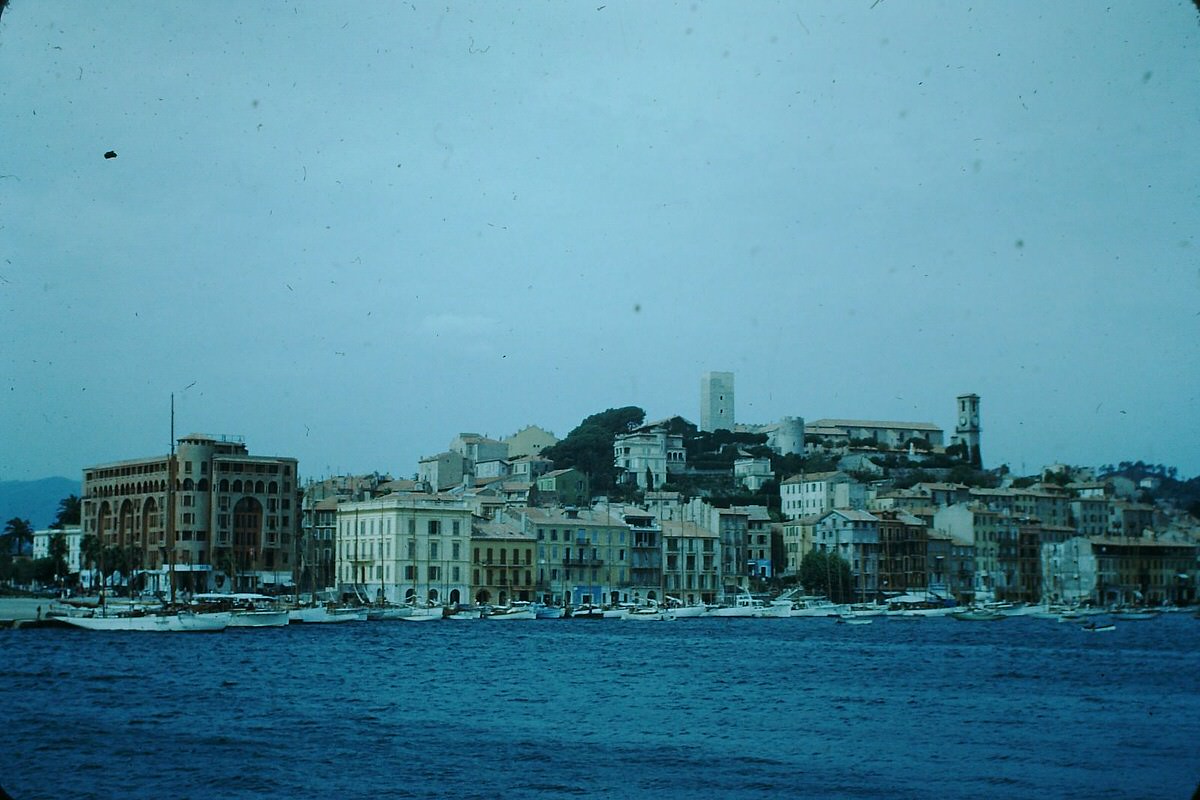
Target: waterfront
[{"x": 708, "y": 707}]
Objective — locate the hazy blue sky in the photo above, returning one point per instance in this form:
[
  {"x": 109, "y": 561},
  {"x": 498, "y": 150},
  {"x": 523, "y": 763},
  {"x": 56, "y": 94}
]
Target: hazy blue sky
[{"x": 348, "y": 231}]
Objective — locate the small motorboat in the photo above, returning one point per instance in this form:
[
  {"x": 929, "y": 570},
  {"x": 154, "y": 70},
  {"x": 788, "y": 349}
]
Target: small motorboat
[{"x": 1093, "y": 627}]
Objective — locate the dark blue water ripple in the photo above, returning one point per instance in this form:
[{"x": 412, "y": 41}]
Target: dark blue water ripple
[{"x": 551, "y": 709}]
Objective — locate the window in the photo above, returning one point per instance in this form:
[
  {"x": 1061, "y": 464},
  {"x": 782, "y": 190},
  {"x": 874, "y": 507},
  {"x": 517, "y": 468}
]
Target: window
[
  {"x": 434, "y": 572},
  {"x": 434, "y": 527},
  {"x": 454, "y": 550},
  {"x": 433, "y": 550},
  {"x": 454, "y": 527},
  {"x": 410, "y": 572}
]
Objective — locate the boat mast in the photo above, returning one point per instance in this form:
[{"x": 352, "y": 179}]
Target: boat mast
[{"x": 171, "y": 502}]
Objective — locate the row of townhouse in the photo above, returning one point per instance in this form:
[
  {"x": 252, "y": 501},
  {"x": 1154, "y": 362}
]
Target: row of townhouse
[
  {"x": 417, "y": 547},
  {"x": 1089, "y": 513},
  {"x": 974, "y": 553}
]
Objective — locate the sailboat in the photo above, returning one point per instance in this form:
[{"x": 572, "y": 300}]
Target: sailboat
[
  {"x": 179, "y": 622},
  {"x": 165, "y": 621}
]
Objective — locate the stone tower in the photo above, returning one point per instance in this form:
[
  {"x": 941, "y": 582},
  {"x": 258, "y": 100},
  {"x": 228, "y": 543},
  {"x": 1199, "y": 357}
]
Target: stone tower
[
  {"x": 716, "y": 401},
  {"x": 789, "y": 436},
  {"x": 966, "y": 431}
]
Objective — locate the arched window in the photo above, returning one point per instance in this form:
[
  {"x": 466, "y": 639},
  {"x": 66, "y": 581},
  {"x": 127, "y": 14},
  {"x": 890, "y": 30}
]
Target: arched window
[
  {"x": 259, "y": 487},
  {"x": 202, "y": 485},
  {"x": 410, "y": 595},
  {"x": 455, "y": 597},
  {"x": 189, "y": 485},
  {"x": 237, "y": 486},
  {"x": 224, "y": 484},
  {"x": 272, "y": 487}
]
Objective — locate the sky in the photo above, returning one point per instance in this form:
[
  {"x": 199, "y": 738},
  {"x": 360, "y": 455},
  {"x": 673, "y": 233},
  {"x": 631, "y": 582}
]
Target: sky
[{"x": 349, "y": 231}]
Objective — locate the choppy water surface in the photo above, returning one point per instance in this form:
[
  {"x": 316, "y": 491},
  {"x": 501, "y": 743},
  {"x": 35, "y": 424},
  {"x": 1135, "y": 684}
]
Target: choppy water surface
[{"x": 693, "y": 708}]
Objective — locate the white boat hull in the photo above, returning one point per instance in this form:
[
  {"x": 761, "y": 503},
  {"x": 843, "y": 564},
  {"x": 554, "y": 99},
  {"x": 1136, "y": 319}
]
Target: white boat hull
[
  {"x": 159, "y": 623},
  {"x": 258, "y": 619},
  {"x": 469, "y": 613},
  {"x": 323, "y": 615},
  {"x": 525, "y": 613},
  {"x": 388, "y": 613},
  {"x": 650, "y": 615},
  {"x": 423, "y": 615}
]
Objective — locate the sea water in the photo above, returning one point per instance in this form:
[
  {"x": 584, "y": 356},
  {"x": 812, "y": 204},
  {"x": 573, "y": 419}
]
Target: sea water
[{"x": 728, "y": 708}]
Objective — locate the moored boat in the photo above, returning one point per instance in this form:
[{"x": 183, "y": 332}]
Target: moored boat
[
  {"x": 815, "y": 607},
  {"x": 182, "y": 622},
  {"x": 464, "y": 613},
  {"x": 544, "y": 611},
  {"x": 587, "y": 611},
  {"x": 1134, "y": 613},
  {"x": 977, "y": 615},
  {"x": 514, "y": 612},
  {"x": 428, "y": 614},
  {"x": 247, "y": 610},
  {"x": 327, "y": 615},
  {"x": 1095, "y": 627},
  {"x": 650, "y": 614},
  {"x": 741, "y": 604}
]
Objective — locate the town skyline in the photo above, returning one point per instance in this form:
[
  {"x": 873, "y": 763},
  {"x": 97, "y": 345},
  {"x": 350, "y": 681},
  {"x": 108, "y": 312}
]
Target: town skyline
[{"x": 478, "y": 218}]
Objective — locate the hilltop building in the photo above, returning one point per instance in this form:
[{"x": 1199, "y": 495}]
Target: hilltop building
[
  {"x": 967, "y": 430},
  {"x": 784, "y": 437},
  {"x": 716, "y": 401},
  {"x": 647, "y": 454},
  {"x": 529, "y": 441},
  {"x": 893, "y": 435}
]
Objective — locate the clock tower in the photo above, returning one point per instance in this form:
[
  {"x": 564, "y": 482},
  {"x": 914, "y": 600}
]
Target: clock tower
[{"x": 966, "y": 431}]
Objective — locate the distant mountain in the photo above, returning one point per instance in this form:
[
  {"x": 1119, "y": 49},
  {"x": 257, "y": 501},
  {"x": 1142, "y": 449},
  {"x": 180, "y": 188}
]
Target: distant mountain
[{"x": 36, "y": 501}]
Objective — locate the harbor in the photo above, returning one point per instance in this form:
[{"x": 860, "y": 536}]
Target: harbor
[{"x": 1020, "y": 708}]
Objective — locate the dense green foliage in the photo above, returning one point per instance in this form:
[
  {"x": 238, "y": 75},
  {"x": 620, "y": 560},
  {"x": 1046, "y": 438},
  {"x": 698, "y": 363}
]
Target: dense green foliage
[
  {"x": 826, "y": 574},
  {"x": 69, "y": 510},
  {"x": 17, "y": 533},
  {"x": 589, "y": 447}
]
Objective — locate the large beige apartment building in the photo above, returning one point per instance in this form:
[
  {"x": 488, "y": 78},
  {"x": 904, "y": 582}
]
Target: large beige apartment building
[{"x": 235, "y": 516}]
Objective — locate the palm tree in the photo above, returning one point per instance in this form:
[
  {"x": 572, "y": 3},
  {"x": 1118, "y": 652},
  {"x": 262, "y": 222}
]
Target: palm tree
[
  {"x": 58, "y": 552},
  {"x": 69, "y": 512},
  {"x": 91, "y": 551},
  {"x": 18, "y": 531}
]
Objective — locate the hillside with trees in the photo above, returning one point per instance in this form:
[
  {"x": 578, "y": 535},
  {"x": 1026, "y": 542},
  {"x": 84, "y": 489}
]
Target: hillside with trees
[{"x": 589, "y": 447}]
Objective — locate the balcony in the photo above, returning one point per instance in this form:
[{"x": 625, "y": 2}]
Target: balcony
[{"x": 583, "y": 562}]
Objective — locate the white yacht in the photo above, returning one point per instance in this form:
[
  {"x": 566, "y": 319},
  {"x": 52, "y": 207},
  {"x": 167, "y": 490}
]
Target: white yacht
[{"x": 182, "y": 622}]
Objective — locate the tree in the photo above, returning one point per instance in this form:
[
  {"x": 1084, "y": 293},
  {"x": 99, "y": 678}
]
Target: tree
[
  {"x": 589, "y": 447},
  {"x": 91, "y": 551},
  {"x": 58, "y": 554},
  {"x": 113, "y": 560},
  {"x": 69, "y": 512},
  {"x": 18, "y": 532},
  {"x": 827, "y": 574}
]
